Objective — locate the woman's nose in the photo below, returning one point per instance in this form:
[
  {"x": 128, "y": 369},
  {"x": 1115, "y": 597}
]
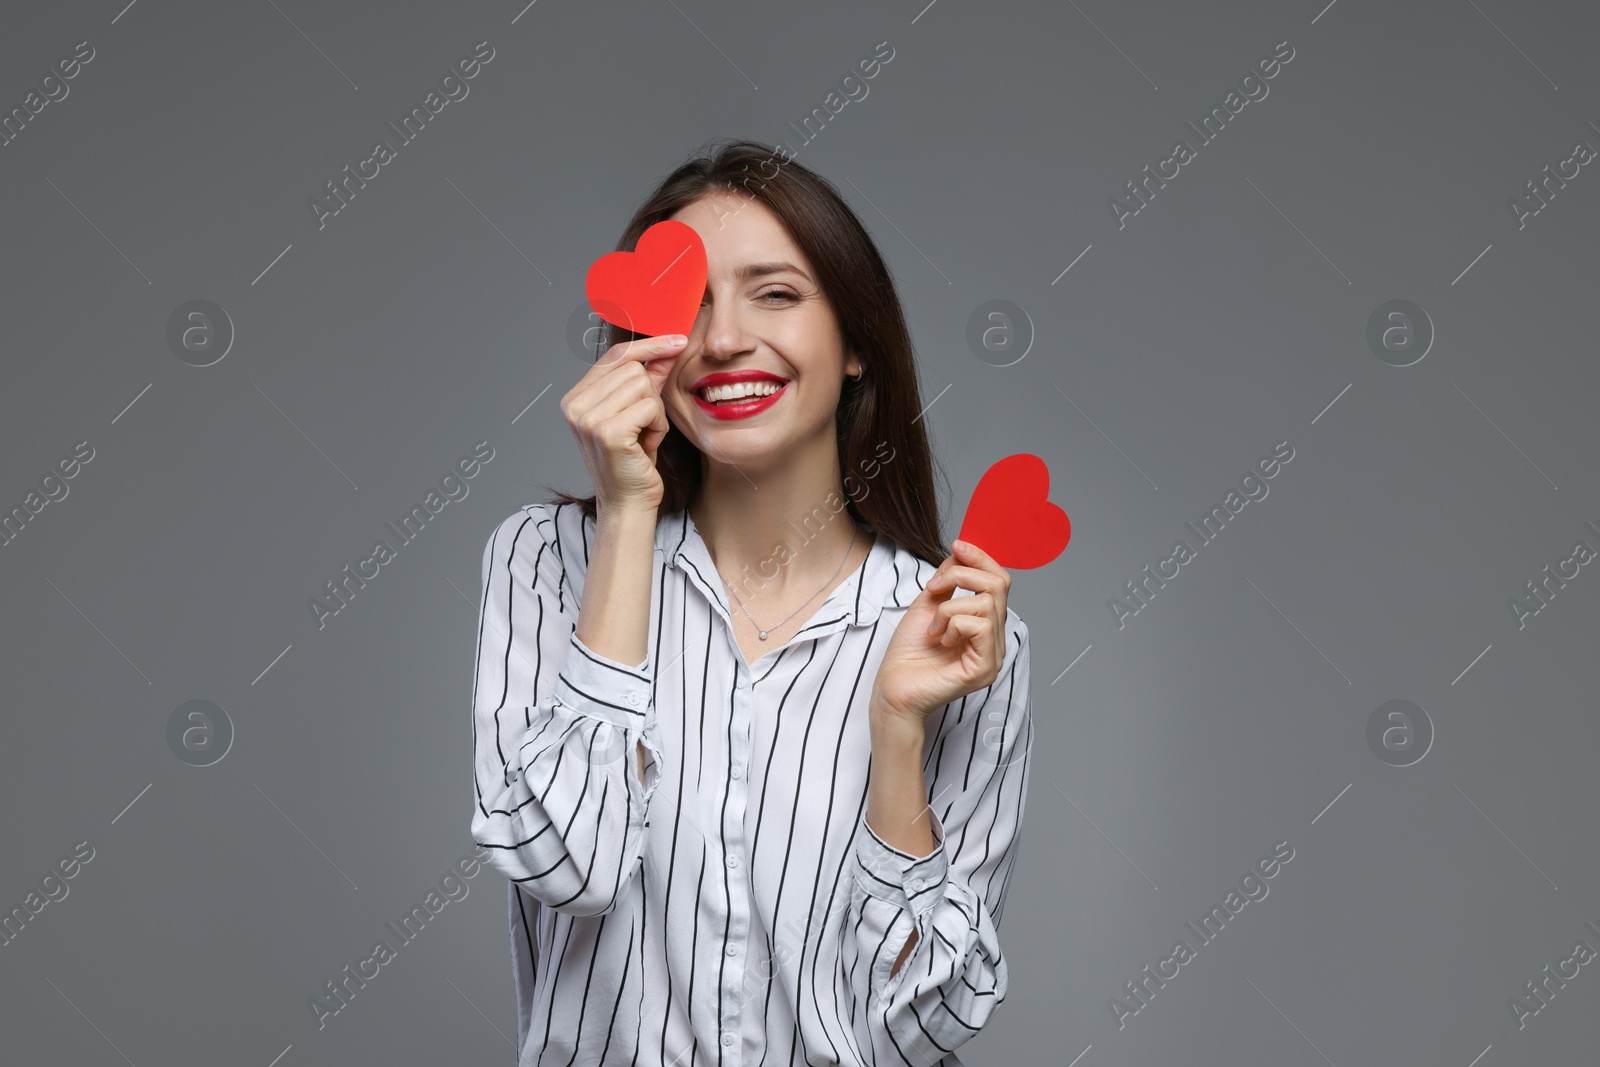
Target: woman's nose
[{"x": 724, "y": 332}]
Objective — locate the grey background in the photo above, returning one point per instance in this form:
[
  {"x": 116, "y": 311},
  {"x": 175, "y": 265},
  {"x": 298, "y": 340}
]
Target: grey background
[{"x": 1228, "y": 315}]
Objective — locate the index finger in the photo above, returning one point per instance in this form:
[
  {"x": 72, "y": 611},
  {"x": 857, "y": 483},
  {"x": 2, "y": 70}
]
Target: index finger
[
  {"x": 977, "y": 557},
  {"x": 974, "y": 556},
  {"x": 642, "y": 349}
]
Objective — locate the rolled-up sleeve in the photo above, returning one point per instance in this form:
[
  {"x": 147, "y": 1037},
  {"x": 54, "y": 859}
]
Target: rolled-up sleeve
[
  {"x": 559, "y": 806},
  {"x": 955, "y": 976}
]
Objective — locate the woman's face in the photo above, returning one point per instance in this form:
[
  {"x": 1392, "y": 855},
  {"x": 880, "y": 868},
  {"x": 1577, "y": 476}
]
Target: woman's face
[{"x": 766, "y": 331}]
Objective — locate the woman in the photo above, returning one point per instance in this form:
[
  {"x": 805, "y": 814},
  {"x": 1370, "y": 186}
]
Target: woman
[{"x": 755, "y": 772}]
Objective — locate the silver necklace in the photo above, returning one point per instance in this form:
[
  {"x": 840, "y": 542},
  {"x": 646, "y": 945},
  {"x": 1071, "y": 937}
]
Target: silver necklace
[{"x": 763, "y": 633}]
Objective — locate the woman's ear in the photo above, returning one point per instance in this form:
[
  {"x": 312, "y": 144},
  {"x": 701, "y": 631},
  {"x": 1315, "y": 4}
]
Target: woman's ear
[{"x": 852, "y": 366}]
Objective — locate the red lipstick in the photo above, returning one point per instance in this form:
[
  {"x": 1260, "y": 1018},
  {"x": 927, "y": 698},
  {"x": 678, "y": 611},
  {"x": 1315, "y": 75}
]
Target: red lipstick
[{"x": 740, "y": 409}]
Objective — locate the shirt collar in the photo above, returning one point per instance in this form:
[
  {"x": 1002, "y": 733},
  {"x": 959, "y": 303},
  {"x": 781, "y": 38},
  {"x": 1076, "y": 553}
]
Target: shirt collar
[{"x": 890, "y": 577}]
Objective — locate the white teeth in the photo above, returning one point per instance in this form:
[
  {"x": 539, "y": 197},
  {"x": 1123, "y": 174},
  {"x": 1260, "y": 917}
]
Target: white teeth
[{"x": 738, "y": 390}]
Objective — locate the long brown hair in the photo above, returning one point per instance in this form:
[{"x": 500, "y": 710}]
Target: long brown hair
[{"x": 881, "y": 406}]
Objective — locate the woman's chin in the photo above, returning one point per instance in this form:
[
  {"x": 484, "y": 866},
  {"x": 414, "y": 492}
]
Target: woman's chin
[
  {"x": 746, "y": 451},
  {"x": 752, "y": 449}
]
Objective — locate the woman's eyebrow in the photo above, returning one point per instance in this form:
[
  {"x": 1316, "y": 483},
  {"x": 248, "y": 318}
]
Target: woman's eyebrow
[{"x": 757, "y": 270}]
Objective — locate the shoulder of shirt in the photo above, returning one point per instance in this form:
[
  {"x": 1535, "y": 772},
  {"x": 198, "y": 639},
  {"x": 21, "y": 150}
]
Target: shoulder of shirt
[
  {"x": 1016, "y": 628},
  {"x": 529, "y": 518},
  {"x": 1015, "y": 625},
  {"x": 563, "y": 528}
]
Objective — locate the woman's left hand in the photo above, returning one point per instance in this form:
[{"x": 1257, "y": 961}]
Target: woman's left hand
[{"x": 946, "y": 646}]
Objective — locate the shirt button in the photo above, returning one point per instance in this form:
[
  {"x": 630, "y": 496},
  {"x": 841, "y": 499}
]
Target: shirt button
[
  {"x": 737, "y": 772},
  {"x": 732, "y": 949},
  {"x": 728, "y": 1039},
  {"x": 733, "y": 860},
  {"x": 633, "y": 698}
]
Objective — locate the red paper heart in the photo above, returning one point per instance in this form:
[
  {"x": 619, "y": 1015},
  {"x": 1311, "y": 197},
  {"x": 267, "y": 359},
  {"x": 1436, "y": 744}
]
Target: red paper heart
[
  {"x": 1011, "y": 517},
  {"x": 655, "y": 289}
]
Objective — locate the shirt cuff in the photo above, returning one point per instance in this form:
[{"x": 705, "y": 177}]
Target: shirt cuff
[
  {"x": 915, "y": 883},
  {"x": 602, "y": 687}
]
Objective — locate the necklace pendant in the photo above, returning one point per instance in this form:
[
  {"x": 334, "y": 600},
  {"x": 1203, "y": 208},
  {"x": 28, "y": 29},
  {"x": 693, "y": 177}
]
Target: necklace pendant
[{"x": 763, "y": 635}]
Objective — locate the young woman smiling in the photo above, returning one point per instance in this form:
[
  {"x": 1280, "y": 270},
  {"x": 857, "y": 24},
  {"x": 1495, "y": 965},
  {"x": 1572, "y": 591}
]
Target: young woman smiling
[{"x": 751, "y": 825}]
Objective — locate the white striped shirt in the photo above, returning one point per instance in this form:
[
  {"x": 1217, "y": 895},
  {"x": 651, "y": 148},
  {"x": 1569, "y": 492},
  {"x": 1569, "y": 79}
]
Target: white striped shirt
[{"x": 734, "y": 909}]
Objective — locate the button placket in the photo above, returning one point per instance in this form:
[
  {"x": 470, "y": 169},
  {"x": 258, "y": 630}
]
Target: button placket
[{"x": 733, "y": 986}]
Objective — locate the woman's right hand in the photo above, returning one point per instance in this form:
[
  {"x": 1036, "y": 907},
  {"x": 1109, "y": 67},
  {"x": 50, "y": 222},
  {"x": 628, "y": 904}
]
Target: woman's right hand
[{"x": 617, "y": 415}]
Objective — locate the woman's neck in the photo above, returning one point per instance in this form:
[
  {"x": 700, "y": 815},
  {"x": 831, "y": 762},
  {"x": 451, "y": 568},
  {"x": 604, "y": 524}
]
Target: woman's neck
[{"x": 777, "y": 531}]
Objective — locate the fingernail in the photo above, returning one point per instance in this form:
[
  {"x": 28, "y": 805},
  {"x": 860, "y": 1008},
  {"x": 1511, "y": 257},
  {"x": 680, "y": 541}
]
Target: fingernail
[
  {"x": 675, "y": 339},
  {"x": 958, "y": 543}
]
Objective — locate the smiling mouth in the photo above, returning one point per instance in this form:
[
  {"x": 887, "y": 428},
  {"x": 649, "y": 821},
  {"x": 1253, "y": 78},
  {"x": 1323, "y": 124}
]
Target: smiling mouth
[{"x": 738, "y": 392}]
